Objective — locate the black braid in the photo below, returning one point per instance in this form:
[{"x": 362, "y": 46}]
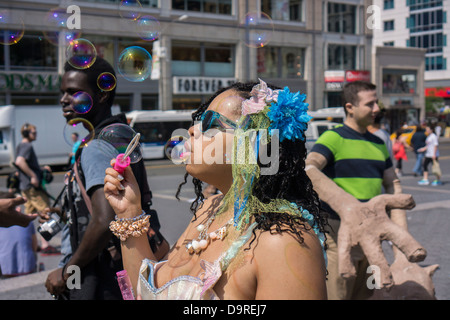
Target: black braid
[{"x": 290, "y": 182}]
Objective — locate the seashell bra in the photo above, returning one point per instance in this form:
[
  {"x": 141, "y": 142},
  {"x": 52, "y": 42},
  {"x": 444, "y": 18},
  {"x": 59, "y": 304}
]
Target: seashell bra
[{"x": 188, "y": 287}]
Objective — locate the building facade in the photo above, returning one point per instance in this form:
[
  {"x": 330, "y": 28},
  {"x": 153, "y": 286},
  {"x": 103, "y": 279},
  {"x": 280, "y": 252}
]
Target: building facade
[
  {"x": 201, "y": 45},
  {"x": 419, "y": 24}
]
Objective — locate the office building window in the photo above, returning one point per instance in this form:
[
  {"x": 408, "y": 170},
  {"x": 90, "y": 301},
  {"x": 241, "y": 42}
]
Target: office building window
[
  {"x": 341, "y": 18},
  {"x": 187, "y": 102},
  {"x": 123, "y": 101},
  {"x": 426, "y": 21},
  {"x": 104, "y": 46},
  {"x": 435, "y": 63},
  {"x": 388, "y": 4},
  {"x": 33, "y": 52},
  {"x": 144, "y": 3},
  {"x": 149, "y": 102},
  {"x": 388, "y": 44},
  {"x": 434, "y": 42},
  {"x": 207, "y": 6},
  {"x": 281, "y": 62},
  {"x": 423, "y": 4},
  {"x": 389, "y": 25},
  {"x": 285, "y": 10},
  {"x": 2, "y": 55},
  {"x": 341, "y": 57},
  {"x": 202, "y": 59},
  {"x": 399, "y": 81},
  {"x": 35, "y": 99}
]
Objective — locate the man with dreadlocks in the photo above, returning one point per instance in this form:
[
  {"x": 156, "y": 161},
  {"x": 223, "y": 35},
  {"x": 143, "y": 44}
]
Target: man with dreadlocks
[{"x": 262, "y": 236}]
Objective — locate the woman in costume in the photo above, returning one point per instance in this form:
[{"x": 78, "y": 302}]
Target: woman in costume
[{"x": 262, "y": 236}]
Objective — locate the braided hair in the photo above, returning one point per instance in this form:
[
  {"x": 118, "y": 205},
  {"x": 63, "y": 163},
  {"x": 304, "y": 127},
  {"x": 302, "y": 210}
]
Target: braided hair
[{"x": 290, "y": 182}]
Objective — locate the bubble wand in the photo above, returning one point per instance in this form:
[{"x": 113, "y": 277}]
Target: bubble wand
[{"x": 123, "y": 160}]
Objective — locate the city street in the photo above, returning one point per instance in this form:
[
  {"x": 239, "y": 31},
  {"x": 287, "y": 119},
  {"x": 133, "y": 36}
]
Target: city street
[{"x": 428, "y": 222}]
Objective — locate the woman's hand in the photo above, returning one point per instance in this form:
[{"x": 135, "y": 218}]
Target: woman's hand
[{"x": 122, "y": 192}]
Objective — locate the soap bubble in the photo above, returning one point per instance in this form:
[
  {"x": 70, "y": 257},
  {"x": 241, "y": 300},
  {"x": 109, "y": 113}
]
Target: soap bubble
[
  {"x": 119, "y": 135},
  {"x": 81, "y": 102},
  {"x": 106, "y": 81},
  {"x": 149, "y": 28},
  {"x": 256, "y": 29},
  {"x": 58, "y": 33},
  {"x": 175, "y": 150},
  {"x": 130, "y": 9},
  {"x": 80, "y": 126},
  {"x": 135, "y": 64},
  {"x": 13, "y": 35},
  {"x": 81, "y": 53}
]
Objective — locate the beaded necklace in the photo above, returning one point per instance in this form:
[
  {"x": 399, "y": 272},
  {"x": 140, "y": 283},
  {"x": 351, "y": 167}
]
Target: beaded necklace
[{"x": 205, "y": 237}]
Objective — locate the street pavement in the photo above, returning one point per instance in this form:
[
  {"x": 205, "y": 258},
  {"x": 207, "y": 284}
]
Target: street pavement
[{"x": 428, "y": 222}]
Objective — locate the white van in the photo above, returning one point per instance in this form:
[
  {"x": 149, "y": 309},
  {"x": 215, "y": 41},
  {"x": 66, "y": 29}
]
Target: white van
[
  {"x": 50, "y": 146},
  {"x": 156, "y": 128}
]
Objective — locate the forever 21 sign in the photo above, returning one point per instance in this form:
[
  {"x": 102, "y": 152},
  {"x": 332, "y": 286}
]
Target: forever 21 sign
[{"x": 200, "y": 85}]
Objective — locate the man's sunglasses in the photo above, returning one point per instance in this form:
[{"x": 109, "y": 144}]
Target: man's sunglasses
[{"x": 214, "y": 120}]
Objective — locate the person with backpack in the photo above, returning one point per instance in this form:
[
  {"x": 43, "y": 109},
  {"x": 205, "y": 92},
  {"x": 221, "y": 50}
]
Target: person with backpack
[{"x": 93, "y": 249}]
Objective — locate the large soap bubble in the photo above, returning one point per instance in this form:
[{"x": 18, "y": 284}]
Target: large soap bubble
[
  {"x": 78, "y": 128},
  {"x": 119, "y": 136},
  {"x": 81, "y": 53},
  {"x": 135, "y": 64},
  {"x": 10, "y": 35},
  {"x": 256, "y": 29}
]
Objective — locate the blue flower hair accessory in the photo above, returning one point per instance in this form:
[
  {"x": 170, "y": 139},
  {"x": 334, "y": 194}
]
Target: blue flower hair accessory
[
  {"x": 287, "y": 111},
  {"x": 289, "y": 115}
]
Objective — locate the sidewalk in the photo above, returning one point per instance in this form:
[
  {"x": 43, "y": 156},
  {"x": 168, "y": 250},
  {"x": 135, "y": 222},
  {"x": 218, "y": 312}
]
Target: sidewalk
[{"x": 29, "y": 287}]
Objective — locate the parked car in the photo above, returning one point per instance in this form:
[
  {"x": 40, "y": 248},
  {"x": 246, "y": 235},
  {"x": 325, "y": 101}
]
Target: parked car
[{"x": 315, "y": 130}]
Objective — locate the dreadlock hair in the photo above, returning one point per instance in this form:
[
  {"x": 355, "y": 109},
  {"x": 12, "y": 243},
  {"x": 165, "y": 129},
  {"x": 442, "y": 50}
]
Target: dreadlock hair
[{"x": 290, "y": 182}]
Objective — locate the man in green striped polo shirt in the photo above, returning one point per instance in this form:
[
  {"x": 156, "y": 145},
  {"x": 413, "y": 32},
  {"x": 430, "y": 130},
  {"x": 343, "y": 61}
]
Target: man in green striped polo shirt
[{"x": 359, "y": 163}]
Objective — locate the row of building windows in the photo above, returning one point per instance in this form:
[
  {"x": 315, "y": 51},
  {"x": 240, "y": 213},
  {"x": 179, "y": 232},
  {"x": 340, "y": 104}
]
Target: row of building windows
[
  {"x": 426, "y": 21},
  {"x": 33, "y": 52},
  {"x": 433, "y": 42},
  {"x": 423, "y": 4},
  {"x": 284, "y": 10}
]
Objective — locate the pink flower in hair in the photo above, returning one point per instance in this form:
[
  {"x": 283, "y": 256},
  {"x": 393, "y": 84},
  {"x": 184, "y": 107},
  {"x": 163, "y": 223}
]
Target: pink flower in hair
[{"x": 261, "y": 96}]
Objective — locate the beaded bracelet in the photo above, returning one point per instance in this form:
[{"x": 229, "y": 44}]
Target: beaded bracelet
[{"x": 123, "y": 228}]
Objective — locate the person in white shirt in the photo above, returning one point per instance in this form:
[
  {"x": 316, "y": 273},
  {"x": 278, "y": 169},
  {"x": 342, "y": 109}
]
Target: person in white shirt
[{"x": 431, "y": 154}]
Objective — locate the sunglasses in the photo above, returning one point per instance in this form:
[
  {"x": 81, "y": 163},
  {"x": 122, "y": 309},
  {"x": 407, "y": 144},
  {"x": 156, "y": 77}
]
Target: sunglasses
[{"x": 214, "y": 120}]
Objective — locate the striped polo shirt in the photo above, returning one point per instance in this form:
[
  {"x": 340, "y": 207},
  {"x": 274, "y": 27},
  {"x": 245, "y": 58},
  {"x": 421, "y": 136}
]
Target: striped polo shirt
[{"x": 355, "y": 162}]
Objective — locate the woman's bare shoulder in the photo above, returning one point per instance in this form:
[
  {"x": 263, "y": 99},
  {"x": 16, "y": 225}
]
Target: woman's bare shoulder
[{"x": 289, "y": 268}]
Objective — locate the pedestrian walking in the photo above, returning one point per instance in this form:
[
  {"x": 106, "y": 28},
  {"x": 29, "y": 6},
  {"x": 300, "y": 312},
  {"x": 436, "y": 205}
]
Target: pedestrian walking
[
  {"x": 418, "y": 142},
  {"x": 399, "y": 147},
  {"x": 431, "y": 150},
  {"x": 31, "y": 180}
]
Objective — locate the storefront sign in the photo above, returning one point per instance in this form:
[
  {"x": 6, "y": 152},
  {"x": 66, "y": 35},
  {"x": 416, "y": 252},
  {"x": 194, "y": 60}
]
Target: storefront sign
[
  {"x": 30, "y": 82},
  {"x": 334, "y": 76},
  {"x": 356, "y": 75},
  {"x": 334, "y": 86},
  {"x": 200, "y": 85},
  {"x": 442, "y": 92}
]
